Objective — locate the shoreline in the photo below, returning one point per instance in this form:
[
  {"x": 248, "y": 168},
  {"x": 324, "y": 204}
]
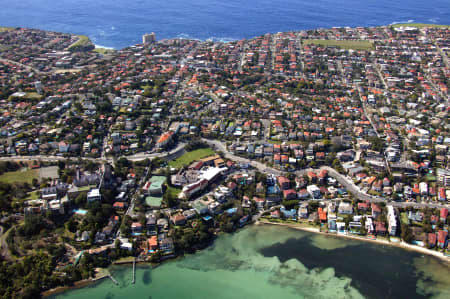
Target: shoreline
[
  {"x": 224, "y": 39},
  {"x": 92, "y": 281},
  {"x": 77, "y": 285},
  {"x": 400, "y": 244}
]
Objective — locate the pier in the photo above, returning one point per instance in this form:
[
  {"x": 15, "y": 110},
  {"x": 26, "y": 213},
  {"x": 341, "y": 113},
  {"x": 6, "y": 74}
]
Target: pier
[
  {"x": 134, "y": 271},
  {"x": 113, "y": 279}
]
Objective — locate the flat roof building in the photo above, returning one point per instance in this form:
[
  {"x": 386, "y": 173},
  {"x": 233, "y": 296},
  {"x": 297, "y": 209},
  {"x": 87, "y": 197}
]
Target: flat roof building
[
  {"x": 94, "y": 195},
  {"x": 392, "y": 227},
  {"x": 148, "y": 38}
]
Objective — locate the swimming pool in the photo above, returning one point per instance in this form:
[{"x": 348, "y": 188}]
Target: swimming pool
[{"x": 80, "y": 212}]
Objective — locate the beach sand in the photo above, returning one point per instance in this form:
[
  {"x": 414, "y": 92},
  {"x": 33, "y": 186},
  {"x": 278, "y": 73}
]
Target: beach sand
[{"x": 400, "y": 244}]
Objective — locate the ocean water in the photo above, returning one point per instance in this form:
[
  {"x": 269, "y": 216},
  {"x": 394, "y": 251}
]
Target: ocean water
[
  {"x": 278, "y": 262},
  {"x": 121, "y": 23}
]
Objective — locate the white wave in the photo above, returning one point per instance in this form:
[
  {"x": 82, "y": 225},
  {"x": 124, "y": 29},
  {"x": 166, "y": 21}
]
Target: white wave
[
  {"x": 222, "y": 39},
  {"x": 212, "y": 38},
  {"x": 402, "y": 22},
  {"x": 103, "y": 47}
]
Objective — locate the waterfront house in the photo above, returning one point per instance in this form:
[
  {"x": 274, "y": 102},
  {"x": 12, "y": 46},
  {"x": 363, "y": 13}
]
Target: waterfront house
[
  {"x": 243, "y": 220},
  {"x": 432, "y": 240},
  {"x": 442, "y": 238},
  {"x": 153, "y": 243},
  {"x": 289, "y": 214},
  {"x": 380, "y": 228},
  {"x": 303, "y": 211},
  {"x": 259, "y": 202},
  {"x": 275, "y": 214},
  {"x": 167, "y": 246},
  {"x": 322, "y": 213}
]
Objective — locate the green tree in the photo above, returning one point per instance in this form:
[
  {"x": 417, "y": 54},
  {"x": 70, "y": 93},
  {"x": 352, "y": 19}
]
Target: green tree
[{"x": 406, "y": 233}]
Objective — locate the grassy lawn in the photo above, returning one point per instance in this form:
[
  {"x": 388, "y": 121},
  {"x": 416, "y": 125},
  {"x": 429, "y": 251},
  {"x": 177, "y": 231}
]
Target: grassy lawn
[
  {"x": 86, "y": 188},
  {"x": 33, "y": 195},
  {"x": 374, "y": 193},
  {"x": 431, "y": 178},
  {"x": 103, "y": 51},
  {"x": 33, "y": 96},
  {"x": 419, "y": 25},
  {"x": 127, "y": 259},
  {"x": 29, "y": 96},
  {"x": 19, "y": 176},
  {"x": 404, "y": 218},
  {"x": 82, "y": 41},
  {"x": 302, "y": 223},
  {"x": 344, "y": 44},
  {"x": 4, "y": 29},
  {"x": 173, "y": 191},
  {"x": 189, "y": 157}
]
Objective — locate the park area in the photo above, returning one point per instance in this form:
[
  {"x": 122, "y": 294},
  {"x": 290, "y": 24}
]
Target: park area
[
  {"x": 26, "y": 175},
  {"x": 419, "y": 25},
  {"x": 23, "y": 175},
  {"x": 190, "y": 157},
  {"x": 343, "y": 44}
]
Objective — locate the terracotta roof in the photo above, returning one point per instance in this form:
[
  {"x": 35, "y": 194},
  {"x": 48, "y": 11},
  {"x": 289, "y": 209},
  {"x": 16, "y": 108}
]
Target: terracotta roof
[
  {"x": 322, "y": 214},
  {"x": 442, "y": 236}
]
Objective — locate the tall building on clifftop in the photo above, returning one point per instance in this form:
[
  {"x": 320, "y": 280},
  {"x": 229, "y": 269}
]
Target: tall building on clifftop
[{"x": 148, "y": 38}]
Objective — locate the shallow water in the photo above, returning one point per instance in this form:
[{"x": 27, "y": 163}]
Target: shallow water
[{"x": 278, "y": 262}]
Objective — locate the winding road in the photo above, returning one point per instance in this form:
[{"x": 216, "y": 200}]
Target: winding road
[
  {"x": 344, "y": 181},
  {"x": 220, "y": 146}
]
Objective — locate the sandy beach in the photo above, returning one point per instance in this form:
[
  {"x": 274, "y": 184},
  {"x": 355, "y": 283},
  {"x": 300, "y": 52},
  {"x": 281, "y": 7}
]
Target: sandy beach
[
  {"x": 400, "y": 244},
  {"x": 103, "y": 273}
]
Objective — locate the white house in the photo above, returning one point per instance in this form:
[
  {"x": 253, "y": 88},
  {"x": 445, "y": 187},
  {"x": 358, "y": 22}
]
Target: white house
[
  {"x": 392, "y": 227},
  {"x": 314, "y": 191},
  {"x": 93, "y": 195}
]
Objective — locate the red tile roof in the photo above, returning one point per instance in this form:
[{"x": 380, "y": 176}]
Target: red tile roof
[
  {"x": 442, "y": 236},
  {"x": 322, "y": 214}
]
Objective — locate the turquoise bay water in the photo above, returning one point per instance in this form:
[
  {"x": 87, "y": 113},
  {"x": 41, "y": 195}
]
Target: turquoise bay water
[{"x": 278, "y": 262}]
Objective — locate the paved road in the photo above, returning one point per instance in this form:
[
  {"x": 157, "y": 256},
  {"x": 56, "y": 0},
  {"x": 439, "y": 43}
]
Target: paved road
[
  {"x": 343, "y": 180},
  {"x": 45, "y": 158},
  {"x": 260, "y": 166},
  {"x": 53, "y": 158},
  {"x": 22, "y": 65},
  {"x": 442, "y": 53}
]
